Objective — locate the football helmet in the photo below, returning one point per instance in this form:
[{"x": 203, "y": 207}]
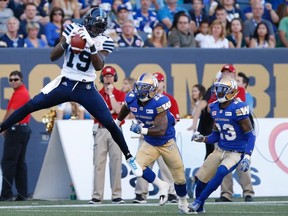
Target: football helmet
[
  {"x": 226, "y": 89},
  {"x": 146, "y": 87},
  {"x": 95, "y": 21}
]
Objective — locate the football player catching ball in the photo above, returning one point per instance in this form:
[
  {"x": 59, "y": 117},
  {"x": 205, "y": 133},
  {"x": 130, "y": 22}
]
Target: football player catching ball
[{"x": 76, "y": 81}]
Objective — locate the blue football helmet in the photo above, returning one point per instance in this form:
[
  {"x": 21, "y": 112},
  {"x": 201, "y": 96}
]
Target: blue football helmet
[
  {"x": 226, "y": 89},
  {"x": 95, "y": 21},
  {"x": 146, "y": 87}
]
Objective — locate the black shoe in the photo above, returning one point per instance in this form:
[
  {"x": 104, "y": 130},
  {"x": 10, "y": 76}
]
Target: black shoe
[
  {"x": 248, "y": 198},
  {"x": 118, "y": 201},
  {"x": 21, "y": 198},
  {"x": 6, "y": 199},
  {"x": 172, "y": 198},
  {"x": 94, "y": 201},
  {"x": 139, "y": 199},
  {"x": 222, "y": 199}
]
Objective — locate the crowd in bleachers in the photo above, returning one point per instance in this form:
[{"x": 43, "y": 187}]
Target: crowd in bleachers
[{"x": 151, "y": 23}]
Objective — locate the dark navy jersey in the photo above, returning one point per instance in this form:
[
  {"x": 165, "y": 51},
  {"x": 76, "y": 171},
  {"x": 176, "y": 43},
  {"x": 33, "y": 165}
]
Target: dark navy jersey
[
  {"x": 145, "y": 115},
  {"x": 231, "y": 135}
]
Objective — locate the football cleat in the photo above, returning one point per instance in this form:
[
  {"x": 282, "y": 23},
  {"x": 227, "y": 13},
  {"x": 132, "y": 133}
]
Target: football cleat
[
  {"x": 183, "y": 209},
  {"x": 135, "y": 167},
  {"x": 194, "y": 206},
  {"x": 163, "y": 191}
]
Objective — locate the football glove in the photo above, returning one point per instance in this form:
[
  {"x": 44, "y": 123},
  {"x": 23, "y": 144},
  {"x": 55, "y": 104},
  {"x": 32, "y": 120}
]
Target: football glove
[
  {"x": 138, "y": 129},
  {"x": 245, "y": 163},
  {"x": 85, "y": 35},
  {"x": 68, "y": 37},
  {"x": 197, "y": 137}
]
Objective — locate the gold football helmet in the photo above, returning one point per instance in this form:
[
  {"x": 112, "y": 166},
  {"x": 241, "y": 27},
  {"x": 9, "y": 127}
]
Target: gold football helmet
[
  {"x": 226, "y": 89},
  {"x": 146, "y": 87}
]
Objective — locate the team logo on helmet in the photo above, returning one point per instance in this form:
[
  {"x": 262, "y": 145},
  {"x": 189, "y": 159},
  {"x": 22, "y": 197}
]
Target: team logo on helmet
[
  {"x": 146, "y": 87},
  {"x": 226, "y": 89}
]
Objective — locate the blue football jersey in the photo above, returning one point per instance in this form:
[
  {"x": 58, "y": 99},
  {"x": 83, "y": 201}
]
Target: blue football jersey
[
  {"x": 146, "y": 115},
  {"x": 231, "y": 135}
]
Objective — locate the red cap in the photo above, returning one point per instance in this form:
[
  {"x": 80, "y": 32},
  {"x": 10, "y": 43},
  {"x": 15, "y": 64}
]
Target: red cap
[
  {"x": 159, "y": 76},
  {"x": 229, "y": 67},
  {"x": 108, "y": 70}
]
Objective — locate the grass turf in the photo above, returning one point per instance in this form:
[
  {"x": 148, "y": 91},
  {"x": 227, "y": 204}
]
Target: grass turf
[{"x": 272, "y": 206}]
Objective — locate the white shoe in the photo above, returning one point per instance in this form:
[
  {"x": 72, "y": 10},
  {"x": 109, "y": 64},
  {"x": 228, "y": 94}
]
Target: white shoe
[
  {"x": 135, "y": 167},
  {"x": 183, "y": 209},
  {"x": 163, "y": 193}
]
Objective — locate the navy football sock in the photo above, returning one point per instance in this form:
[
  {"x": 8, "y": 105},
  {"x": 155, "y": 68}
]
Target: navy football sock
[{"x": 149, "y": 175}]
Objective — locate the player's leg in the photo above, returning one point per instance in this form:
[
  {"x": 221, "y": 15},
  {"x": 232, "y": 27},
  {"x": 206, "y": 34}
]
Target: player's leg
[
  {"x": 166, "y": 176},
  {"x": 173, "y": 160},
  {"x": 145, "y": 156},
  {"x": 40, "y": 101},
  {"x": 93, "y": 102},
  {"x": 228, "y": 164}
]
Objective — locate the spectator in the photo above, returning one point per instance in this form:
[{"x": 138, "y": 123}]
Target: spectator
[
  {"x": 203, "y": 34},
  {"x": 217, "y": 36},
  {"x": 128, "y": 38},
  {"x": 40, "y": 14},
  {"x": 53, "y": 28},
  {"x": 13, "y": 164},
  {"x": 198, "y": 93},
  {"x": 127, "y": 84},
  {"x": 155, "y": 6},
  {"x": 158, "y": 38},
  {"x": 268, "y": 14},
  {"x": 104, "y": 143},
  {"x": 283, "y": 30},
  {"x": 31, "y": 40},
  {"x": 198, "y": 15},
  {"x": 145, "y": 19},
  {"x": 114, "y": 10},
  {"x": 30, "y": 14},
  {"x": 243, "y": 81},
  {"x": 232, "y": 11},
  {"x": 166, "y": 14},
  {"x": 65, "y": 23},
  {"x": 141, "y": 188},
  {"x": 5, "y": 13},
  {"x": 70, "y": 8},
  {"x": 235, "y": 38},
  {"x": 72, "y": 110},
  {"x": 180, "y": 34},
  {"x": 282, "y": 11},
  {"x": 250, "y": 25},
  {"x": 11, "y": 38},
  {"x": 261, "y": 37},
  {"x": 221, "y": 15}
]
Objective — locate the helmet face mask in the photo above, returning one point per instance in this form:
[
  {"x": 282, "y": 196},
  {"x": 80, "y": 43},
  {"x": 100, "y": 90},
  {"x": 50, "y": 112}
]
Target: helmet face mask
[
  {"x": 95, "y": 21},
  {"x": 226, "y": 89},
  {"x": 146, "y": 87}
]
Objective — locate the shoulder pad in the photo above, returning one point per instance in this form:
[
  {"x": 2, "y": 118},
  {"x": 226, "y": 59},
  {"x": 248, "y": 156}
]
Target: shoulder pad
[
  {"x": 242, "y": 109},
  {"x": 162, "y": 103}
]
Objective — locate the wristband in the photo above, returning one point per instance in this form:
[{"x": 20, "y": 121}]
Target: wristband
[
  {"x": 112, "y": 96},
  {"x": 144, "y": 131},
  {"x": 64, "y": 45},
  {"x": 93, "y": 50}
]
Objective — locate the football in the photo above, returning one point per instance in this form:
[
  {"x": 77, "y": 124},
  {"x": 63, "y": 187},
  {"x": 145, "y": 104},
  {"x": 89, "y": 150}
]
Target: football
[{"x": 77, "y": 44}]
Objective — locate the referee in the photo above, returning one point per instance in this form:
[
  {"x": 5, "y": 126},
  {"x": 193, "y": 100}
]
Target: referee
[{"x": 14, "y": 168}]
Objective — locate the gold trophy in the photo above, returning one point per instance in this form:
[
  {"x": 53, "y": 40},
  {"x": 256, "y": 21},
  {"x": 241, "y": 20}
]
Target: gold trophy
[{"x": 49, "y": 119}]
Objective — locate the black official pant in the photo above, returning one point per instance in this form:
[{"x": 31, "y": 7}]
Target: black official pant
[{"x": 13, "y": 163}]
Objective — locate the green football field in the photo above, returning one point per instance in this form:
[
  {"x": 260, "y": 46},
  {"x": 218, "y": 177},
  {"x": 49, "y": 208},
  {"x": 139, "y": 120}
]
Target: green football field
[{"x": 262, "y": 206}]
